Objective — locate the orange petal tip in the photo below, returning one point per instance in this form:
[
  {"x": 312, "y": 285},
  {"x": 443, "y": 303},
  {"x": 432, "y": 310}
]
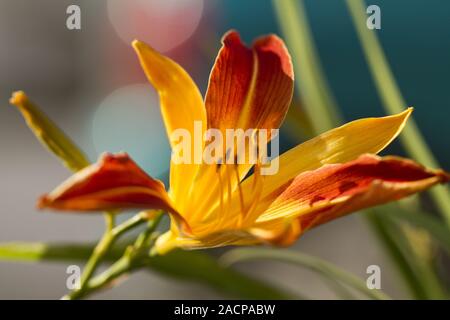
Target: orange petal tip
[
  {"x": 42, "y": 202},
  {"x": 443, "y": 175}
]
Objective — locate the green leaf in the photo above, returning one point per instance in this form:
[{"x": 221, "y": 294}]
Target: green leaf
[
  {"x": 49, "y": 134},
  {"x": 418, "y": 271},
  {"x": 321, "y": 108},
  {"x": 200, "y": 267},
  {"x": 385, "y": 231},
  {"x": 393, "y": 101},
  {"x": 183, "y": 265},
  {"x": 340, "y": 289},
  {"x": 426, "y": 221},
  {"x": 311, "y": 84},
  {"x": 322, "y": 267}
]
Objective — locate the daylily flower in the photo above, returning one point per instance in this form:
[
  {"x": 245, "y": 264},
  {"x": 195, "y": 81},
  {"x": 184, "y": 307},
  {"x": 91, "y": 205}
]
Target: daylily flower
[{"x": 327, "y": 177}]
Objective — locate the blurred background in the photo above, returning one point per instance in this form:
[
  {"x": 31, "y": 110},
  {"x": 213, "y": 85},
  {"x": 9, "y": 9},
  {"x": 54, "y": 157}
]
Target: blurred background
[{"x": 90, "y": 82}]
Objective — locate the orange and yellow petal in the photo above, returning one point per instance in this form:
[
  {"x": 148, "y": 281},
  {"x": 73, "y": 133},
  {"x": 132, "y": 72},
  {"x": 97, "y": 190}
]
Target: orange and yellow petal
[
  {"x": 182, "y": 107},
  {"x": 339, "y": 145},
  {"x": 249, "y": 87},
  {"x": 171, "y": 240},
  {"x": 318, "y": 196},
  {"x": 114, "y": 182}
]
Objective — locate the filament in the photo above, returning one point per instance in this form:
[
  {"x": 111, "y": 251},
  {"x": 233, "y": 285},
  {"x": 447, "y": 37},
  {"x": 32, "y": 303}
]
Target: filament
[{"x": 241, "y": 196}]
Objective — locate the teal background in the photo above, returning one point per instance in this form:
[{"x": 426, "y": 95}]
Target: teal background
[{"x": 415, "y": 36}]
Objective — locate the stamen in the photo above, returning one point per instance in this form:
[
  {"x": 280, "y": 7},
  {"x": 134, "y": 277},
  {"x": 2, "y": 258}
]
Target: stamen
[
  {"x": 241, "y": 195},
  {"x": 258, "y": 183},
  {"x": 256, "y": 171},
  {"x": 229, "y": 189},
  {"x": 219, "y": 176},
  {"x": 222, "y": 217},
  {"x": 227, "y": 155}
]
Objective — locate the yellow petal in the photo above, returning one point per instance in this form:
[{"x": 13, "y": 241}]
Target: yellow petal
[
  {"x": 171, "y": 240},
  {"x": 339, "y": 145},
  {"x": 49, "y": 134},
  {"x": 181, "y": 106}
]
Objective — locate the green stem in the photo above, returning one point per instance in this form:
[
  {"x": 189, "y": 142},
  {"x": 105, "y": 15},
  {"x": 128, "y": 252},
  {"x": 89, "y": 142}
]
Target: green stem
[
  {"x": 110, "y": 236},
  {"x": 394, "y": 102},
  {"x": 122, "y": 266},
  {"x": 146, "y": 236},
  {"x": 91, "y": 265},
  {"x": 129, "y": 224},
  {"x": 117, "y": 269},
  {"x": 100, "y": 250},
  {"x": 110, "y": 221},
  {"x": 133, "y": 257}
]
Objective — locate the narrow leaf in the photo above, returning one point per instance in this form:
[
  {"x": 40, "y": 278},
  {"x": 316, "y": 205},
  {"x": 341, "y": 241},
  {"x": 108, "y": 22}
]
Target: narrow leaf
[
  {"x": 393, "y": 101},
  {"x": 389, "y": 236},
  {"x": 183, "y": 265},
  {"x": 322, "y": 267},
  {"x": 311, "y": 84},
  {"x": 414, "y": 265},
  {"x": 200, "y": 267},
  {"x": 426, "y": 221},
  {"x": 322, "y": 110}
]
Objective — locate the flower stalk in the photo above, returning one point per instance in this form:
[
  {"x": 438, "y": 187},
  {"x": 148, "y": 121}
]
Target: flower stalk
[{"x": 133, "y": 257}]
